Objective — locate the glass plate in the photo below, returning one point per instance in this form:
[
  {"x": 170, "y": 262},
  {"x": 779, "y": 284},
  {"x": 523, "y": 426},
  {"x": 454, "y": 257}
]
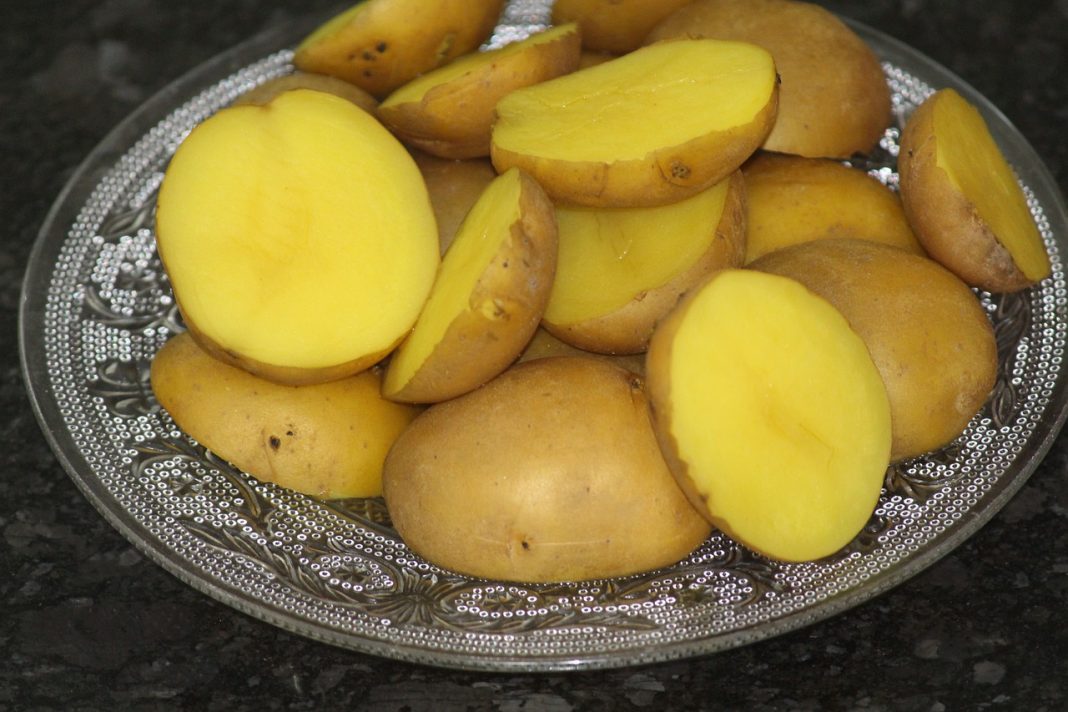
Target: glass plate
[{"x": 96, "y": 307}]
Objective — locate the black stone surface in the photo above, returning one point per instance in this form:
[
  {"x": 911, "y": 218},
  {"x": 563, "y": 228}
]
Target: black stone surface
[{"x": 86, "y": 623}]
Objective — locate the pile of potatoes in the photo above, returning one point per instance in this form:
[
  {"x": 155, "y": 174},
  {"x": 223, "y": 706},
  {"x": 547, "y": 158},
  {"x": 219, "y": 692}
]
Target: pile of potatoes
[{"x": 571, "y": 303}]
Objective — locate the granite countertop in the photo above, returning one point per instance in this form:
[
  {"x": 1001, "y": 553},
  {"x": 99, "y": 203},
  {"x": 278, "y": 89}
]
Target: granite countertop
[{"x": 89, "y": 624}]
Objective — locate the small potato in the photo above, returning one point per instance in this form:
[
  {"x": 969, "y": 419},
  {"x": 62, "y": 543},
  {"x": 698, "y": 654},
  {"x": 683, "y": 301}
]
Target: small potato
[
  {"x": 327, "y": 440},
  {"x": 650, "y": 128},
  {"x": 834, "y": 100},
  {"x": 927, "y": 333},
  {"x": 266, "y": 92},
  {"x": 454, "y": 187},
  {"x": 621, "y": 270},
  {"x": 550, "y": 472},
  {"x": 793, "y": 199},
  {"x": 963, "y": 200},
  {"x": 488, "y": 297},
  {"x": 379, "y": 45},
  {"x": 616, "y": 26},
  {"x": 449, "y": 112}
]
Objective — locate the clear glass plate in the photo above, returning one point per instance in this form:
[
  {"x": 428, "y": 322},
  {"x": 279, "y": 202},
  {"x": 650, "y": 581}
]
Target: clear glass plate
[{"x": 96, "y": 306}]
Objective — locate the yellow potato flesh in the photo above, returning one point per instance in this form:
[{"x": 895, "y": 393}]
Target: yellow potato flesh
[
  {"x": 297, "y": 233},
  {"x": 779, "y": 414},
  {"x": 968, "y": 154},
  {"x": 609, "y": 256},
  {"x": 624, "y": 109},
  {"x": 481, "y": 236}
]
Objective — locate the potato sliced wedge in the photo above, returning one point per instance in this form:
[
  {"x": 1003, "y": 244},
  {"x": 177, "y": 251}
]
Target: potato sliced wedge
[
  {"x": 620, "y": 270},
  {"x": 963, "y": 200},
  {"x": 649, "y": 128},
  {"x": 488, "y": 297},
  {"x": 449, "y": 112}
]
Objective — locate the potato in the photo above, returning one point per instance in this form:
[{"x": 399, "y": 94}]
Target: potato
[
  {"x": 488, "y": 298},
  {"x": 770, "y": 413},
  {"x": 621, "y": 270},
  {"x": 653, "y": 127},
  {"x": 616, "y": 26},
  {"x": 963, "y": 200},
  {"x": 327, "y": 440},
  {"x": 264, "y": 93},
  {"x": 277, "y": 250},
  {"x": 549, "y": 472},
  {"x": 927, "y": 333},
  {"x": 545, "y": 345},
  {"x": 453, "y": 187},
  {"x": 379, "y": 45},
  {"x": 449, "y": 112},
  {"x": 793, "y": 199},
  {"x": 834, "y": 100}
]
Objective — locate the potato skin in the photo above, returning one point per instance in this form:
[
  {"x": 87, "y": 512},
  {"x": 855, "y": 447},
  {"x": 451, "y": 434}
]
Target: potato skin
[
  {"x": 928, "y": 335},
  {"x": 628, "y": 330},
  {"x": 550, "y": 472},
  {"x": 326, "y": 440},
  {"x": 266, "y": 92},
  {"x": 616, "y": 26},
  {"x": 834, "y": 100},
  {"x": 453, "y": 186},
  {"x": 946, "y": 223}
]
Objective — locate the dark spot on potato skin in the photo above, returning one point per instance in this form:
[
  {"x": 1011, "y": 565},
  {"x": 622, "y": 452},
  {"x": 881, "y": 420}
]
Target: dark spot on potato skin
[
  {"x": 525, "y": 544},
  {"x": 679, "y": 170},
  {"x": 369, "y": 55},
  {"x": 381, "y": 47},
  {"x": 275, "y": 442}
]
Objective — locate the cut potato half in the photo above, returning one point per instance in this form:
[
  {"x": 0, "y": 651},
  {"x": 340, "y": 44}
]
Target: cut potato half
[
  {"x": 771, "y": 414},
  {"x": 449, "y": 112},
  {"x": 487, "y": 300},
  {"x": 620, "y": 270},
  {"x": 379, "y": 45},
  {"x": 298, "y": 237},
  {"x": 650, "y": 128},
  {"x": 963, "y": 199}
]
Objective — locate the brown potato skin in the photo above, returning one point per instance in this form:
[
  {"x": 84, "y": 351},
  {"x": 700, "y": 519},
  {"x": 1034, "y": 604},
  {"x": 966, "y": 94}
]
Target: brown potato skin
[
  {"x": 454, "y": 119},
  {"x": 503, "y": 311},
  {"x": 545, "y": 345},
  {"x": 945, "y": 222},
  {"x": 454, "y": 187},
  {"x": 929, "y": 337},
  {"x": 667, "y": 175},
  {"x": 550, "y": 472},
  {"x": 394, "y": 41},
  {"x": 628, "y": 330},
  {"x": 615, "y": 26},
  {"x": 834, "y": 100},
  {"x": 326, "y": 440},
  {"x": 264, "y": 93}
]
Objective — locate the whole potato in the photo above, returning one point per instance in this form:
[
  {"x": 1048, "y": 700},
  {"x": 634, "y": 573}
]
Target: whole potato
[{"x": 550, "y": 472}]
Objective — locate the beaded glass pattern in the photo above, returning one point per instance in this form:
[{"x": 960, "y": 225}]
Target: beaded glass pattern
[{"x": 97, "y": 306}]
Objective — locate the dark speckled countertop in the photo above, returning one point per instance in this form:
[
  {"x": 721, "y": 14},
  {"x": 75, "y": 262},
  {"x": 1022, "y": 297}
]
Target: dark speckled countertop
[{"x": 87, "y": 623}]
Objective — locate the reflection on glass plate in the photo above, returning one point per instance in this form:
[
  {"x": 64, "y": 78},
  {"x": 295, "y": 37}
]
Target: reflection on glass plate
[{"x": 97, "y": 307}]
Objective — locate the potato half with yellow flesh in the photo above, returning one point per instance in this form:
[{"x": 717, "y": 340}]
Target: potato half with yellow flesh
[
  {"x": 328, "y": 440},
  {"x": 620, "y": 270},
  {"x": 297, "y": 236},
  {"x": 649, "y": 128},
  {"x": 550, "y": 472},
  {"x": 771, "y": 414},
  {"x": 264, "y": 93},
  {"x": 454, "y": 187},
  {"x": 963, "y": 200},
  {"x": 449, "y": 112},
  {"x": 379, "y": 45},
  {"x": 927, "y": 333},
  {"x": 487, "y": 300},
  {"x": 834, "y": 100},
  {"x": 616, "y": 26},
  {"x": 793, "y": 199}
]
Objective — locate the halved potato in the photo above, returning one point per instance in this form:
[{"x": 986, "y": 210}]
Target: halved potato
[
  {"x": 649, "y": 128},
  {"x": 834, "y": 100},
  {"x": 379, "y": 45},
  {"x": 926, "y": 332},
  {"x": 770, "y": 413},
  {"x": 328, "y": 440},
  {"x": 963, "y": 199},
  {"x": 283, "y": 259},
  {"x": 449, "y": 112},
  {"x": 616, "y": 26},
  {"x": 454, "y": 187},
  {"x": 621, "y": 270},
  {"x": 793, "y": 199},
  {"x": 550, "y": 472},
  {"x": 266, "y": 92},
  {"x": 488, "y": 297}
]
